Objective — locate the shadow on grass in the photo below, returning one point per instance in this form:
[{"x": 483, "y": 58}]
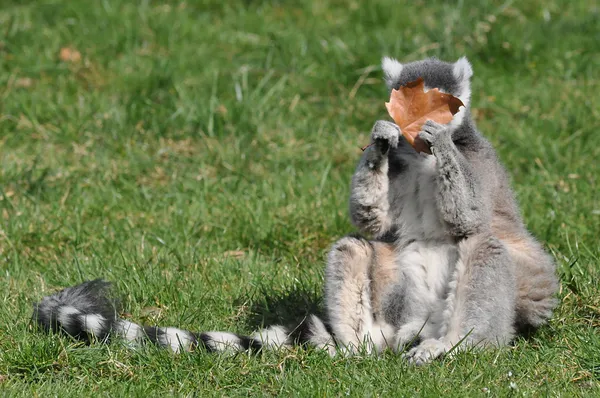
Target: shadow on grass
[{"x": 286, "y": 308}]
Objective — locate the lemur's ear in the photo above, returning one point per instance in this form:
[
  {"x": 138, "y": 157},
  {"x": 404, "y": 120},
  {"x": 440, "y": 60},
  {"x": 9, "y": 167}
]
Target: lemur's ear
[
  {"x": 462, "y": 69},
  {"x": 462, "y": 72},
  {"x": 392, "y": 69}
]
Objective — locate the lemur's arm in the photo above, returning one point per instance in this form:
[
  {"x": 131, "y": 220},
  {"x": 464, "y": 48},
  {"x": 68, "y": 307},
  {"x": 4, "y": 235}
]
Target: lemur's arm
[
  {"x": 462, "y": 198},
  {"x": 369, "y": 203}
]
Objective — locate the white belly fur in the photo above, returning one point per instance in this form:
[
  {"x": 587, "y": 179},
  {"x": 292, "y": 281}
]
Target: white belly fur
[
  {"x": 428, "y": 262},
  {"x": 429, "y": 265}
]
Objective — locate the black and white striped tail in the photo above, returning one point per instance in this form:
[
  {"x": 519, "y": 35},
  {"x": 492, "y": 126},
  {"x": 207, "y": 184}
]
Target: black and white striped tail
[{"x": 89, "y": 312}]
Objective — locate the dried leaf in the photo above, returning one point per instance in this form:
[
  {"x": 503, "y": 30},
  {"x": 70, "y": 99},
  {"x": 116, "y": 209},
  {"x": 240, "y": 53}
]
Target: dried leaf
[
  {"x": 24, "y": 82},
  {"x": 151, "y": 312},
  {"x": 234, "y": 253},
  {"x": 68, "y": 54},
  {"x": 411, "y": 107}
]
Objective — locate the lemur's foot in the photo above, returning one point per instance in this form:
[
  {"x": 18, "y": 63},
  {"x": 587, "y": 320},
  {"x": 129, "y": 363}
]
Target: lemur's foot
[{"x": 426, "y": 352}]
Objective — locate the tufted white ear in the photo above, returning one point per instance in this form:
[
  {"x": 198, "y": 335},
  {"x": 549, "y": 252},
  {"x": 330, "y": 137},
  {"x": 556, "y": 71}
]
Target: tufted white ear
[
  {"x": 462, "y": 69},
  {"x": 392, "y": 69},
  {"x": 462, "y": 72}
]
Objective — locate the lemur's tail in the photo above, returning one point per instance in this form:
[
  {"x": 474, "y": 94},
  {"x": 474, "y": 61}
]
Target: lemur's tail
[{"x": 88, "y": 311}]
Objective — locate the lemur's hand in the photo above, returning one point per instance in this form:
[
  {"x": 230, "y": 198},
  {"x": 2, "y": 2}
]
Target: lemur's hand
[
  {"x": 431, "y": 132},
  {"x": 385, "y": 135}
]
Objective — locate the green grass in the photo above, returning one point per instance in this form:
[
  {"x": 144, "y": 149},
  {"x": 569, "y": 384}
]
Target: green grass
[{"x": 199, "y": 155}]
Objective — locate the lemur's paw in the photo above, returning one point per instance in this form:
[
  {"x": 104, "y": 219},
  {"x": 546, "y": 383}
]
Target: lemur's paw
[
  {"x": 431, "y": 132},
  {"x": 406, "y": 337},
  {"x": 425, "y": 352},
  {"x": 385, "y": 135}
]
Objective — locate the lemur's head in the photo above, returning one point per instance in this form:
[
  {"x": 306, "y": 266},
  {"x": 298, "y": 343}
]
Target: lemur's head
[{"x": 451, "y": 78}]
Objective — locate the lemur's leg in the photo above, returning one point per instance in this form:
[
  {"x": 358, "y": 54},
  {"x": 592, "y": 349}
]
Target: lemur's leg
[
  {"x": 480, "y": 306},
  {"x": 369, "y": 203},
  {"x": 460, "y": 192},
  {"x": 352, "y": 266},
  {"x": 537, "y": 281}
]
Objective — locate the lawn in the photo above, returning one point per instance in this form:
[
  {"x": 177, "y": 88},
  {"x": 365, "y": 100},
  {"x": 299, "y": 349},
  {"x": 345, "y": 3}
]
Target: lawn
[{"x": 199, "y": 154}]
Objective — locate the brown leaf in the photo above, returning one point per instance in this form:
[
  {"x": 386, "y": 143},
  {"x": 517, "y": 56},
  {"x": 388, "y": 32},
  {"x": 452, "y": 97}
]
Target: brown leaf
[
  {"x": 411, "y": 107},
  {"x": 68, "y": 54},
  {"x": 234, "y": 253},
  {"x": 151, "y": 312},
  {"x": 24, "y": 82}
]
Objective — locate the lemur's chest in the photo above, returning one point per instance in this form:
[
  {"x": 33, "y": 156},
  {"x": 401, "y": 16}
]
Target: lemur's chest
[{"x": 419, "y": 217}]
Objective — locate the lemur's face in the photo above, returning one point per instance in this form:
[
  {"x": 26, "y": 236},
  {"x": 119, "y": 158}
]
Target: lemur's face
[{"x": 450, "y": 78}]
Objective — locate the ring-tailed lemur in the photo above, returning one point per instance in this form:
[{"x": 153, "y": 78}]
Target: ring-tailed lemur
[{"x": 450, "y": 261}]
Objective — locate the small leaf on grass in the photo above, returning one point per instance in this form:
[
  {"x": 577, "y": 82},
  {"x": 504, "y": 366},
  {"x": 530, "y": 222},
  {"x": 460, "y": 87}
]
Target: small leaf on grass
[
  {"x": 24, "y": 82},
  {"x": 410, "y": 107},
  {"x": 151, "y": 312},
  {"x": 234, "y": 254},
  {"x": 68, "y": 54}
]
